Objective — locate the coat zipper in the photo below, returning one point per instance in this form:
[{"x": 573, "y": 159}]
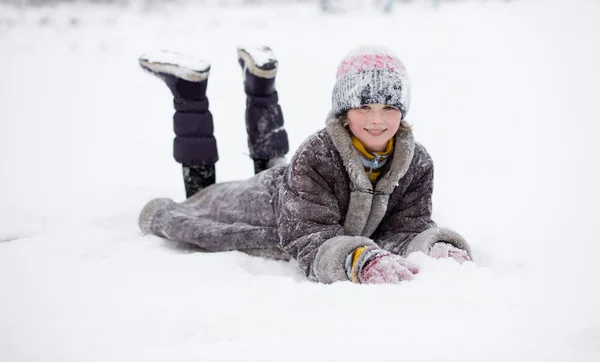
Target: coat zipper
[{"x": 375, "y": 163}]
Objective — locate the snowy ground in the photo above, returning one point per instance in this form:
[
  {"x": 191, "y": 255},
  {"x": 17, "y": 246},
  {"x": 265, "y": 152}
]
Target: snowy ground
[{"x": 504, "y": 99}]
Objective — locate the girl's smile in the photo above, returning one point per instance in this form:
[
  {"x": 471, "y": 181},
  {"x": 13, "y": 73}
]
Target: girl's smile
[{"x": 374, "y": 125}]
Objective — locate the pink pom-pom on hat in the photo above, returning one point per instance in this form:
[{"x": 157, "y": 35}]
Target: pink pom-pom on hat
[{"x": 371, "y": 74}]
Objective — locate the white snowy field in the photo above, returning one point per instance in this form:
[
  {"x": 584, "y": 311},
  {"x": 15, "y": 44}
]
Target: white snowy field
[{"x": 505, "y": 99}]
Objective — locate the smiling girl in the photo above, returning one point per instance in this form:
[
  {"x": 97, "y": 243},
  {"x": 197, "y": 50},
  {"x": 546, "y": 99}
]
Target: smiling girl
[{"x": 354, "y": 200}]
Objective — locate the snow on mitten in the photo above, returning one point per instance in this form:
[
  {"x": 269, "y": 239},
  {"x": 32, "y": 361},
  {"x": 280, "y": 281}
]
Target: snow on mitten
[
  {"x": 370, "y": 265},
  {"x": 441, "y": 250}
]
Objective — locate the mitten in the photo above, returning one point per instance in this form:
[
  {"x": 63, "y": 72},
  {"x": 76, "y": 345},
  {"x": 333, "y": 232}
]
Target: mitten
[
  {"x": 370, "y": 265},
  {"x": 445, "y": 250}
]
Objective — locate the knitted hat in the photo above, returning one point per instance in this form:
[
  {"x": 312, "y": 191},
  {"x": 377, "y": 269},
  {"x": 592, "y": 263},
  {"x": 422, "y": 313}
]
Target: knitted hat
[{"x": 371, "y": 74}]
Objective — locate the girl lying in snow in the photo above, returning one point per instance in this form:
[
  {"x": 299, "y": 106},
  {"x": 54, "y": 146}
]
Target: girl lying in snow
[{"x": 355, "y": 197}]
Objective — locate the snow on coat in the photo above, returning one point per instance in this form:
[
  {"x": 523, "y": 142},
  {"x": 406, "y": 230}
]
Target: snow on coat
[{"x": 317, "y": 209}]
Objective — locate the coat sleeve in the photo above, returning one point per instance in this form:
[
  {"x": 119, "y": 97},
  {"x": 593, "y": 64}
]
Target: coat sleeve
[
  {"x": 309, "y": 220},
  {"x": 408, "y": 227}
]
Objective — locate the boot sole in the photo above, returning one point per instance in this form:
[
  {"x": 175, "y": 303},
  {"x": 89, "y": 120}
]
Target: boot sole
[
  {"x": 177, "y": 65},
  {"x": 260, "y": 61}
]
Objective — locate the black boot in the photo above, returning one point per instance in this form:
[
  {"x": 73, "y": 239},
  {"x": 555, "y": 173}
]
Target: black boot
[
  {"x": 196, "y": 178},
  {"x": 267, "y": 138},
  {"x": 194, "y": 146}
]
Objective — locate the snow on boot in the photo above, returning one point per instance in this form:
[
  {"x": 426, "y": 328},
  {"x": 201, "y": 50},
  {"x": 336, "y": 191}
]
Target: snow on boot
[
  {"x": 267, "y": 138},
  {"x": 194, "y": 146},
  {"x": 195, "y": 178},
  {"x": 185, "y": 76},
  {"x": 259, "y": 65}
]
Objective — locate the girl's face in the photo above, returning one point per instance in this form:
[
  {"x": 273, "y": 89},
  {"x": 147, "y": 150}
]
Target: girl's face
[{"x": 374, "y": 125}]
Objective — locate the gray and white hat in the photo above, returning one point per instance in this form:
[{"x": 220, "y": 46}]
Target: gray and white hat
[{"x": 371, "y": 74}]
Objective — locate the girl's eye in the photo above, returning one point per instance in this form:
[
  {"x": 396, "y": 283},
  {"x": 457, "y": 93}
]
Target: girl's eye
[
  {"x": 365, "y": 107},
  {"x": 390, "y": 108}
]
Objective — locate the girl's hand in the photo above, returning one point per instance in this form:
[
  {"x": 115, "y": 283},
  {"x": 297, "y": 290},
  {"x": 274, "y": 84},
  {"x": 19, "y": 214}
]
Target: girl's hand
[
  {"x": 385, "y": 268},
  {"x": 444, "y": 250}
]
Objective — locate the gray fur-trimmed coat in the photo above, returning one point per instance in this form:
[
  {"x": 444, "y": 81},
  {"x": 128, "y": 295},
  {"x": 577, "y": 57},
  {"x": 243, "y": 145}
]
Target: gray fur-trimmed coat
[{"x": 317, "y": 209}]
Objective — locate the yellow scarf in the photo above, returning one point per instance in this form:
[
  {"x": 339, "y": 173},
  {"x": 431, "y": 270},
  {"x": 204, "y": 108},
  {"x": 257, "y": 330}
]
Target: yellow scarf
[{"x": 372, "y": 173}]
